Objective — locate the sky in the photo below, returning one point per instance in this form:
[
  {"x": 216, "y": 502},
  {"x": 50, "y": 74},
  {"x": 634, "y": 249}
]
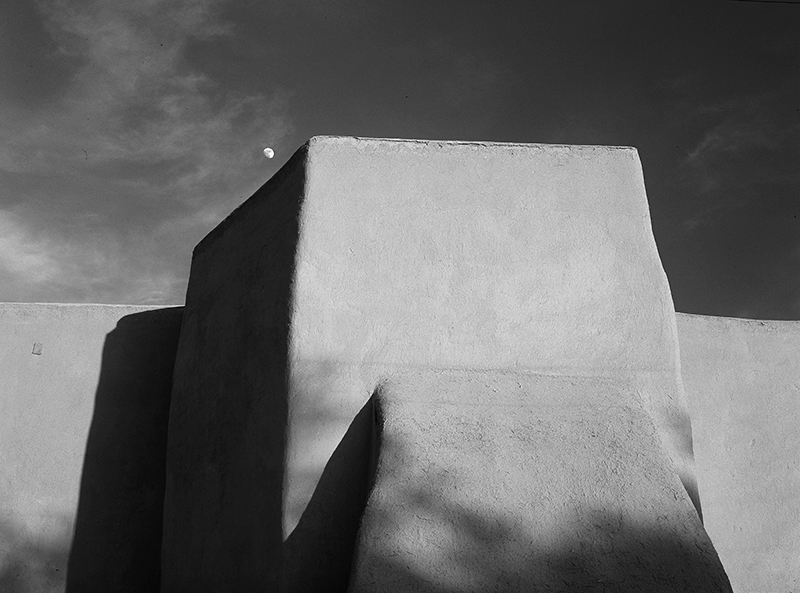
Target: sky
[{"x": 129, "y": 129}]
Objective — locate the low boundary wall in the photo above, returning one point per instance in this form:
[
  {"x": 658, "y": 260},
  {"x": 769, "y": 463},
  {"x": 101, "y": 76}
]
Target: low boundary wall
[
  {"x": 742, "y": 378},
  {"x": 84, "y": 400}
]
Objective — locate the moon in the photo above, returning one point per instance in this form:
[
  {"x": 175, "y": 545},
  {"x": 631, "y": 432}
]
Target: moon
[{"x": 269, "y": 153}]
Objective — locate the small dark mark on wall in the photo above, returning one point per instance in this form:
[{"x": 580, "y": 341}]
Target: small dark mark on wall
[{"x": 37, "y": 348}]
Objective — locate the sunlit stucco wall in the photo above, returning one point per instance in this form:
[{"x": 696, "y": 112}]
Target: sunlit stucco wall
[{"x": 742, "y": 378}]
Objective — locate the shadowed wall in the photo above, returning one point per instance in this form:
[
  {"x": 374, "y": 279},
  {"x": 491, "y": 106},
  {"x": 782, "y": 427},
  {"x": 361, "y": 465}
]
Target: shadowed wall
[{"x": 83, "y": 416}]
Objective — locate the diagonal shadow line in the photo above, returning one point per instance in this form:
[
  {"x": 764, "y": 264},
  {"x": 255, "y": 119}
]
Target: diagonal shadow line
[{"x": 317, "y": 555}]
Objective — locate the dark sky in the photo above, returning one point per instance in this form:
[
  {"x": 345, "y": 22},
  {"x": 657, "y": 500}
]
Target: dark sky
[{"x": 129, "y": 129}]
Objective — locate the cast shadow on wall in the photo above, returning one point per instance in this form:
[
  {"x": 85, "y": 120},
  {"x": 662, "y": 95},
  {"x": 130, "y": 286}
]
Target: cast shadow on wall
[
  {"x": 117, "y": 539},
  {"x": 33, "y": 564},
  {"x": 619, "y": 552},
  {"x": 497, "y": 555},
  {"x": 318, "y": 553}
]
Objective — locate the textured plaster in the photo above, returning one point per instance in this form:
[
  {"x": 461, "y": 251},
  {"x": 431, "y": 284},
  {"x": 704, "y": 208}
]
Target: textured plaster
[
  {"x": 492, "y": 481},
  {"x": 389, "y": 311},
  {"x": 84, "y": 393},
  {"x": 743, "y": 381},
  {"x": 362, "y": 258},
  {"x": 482, "y": 255}
]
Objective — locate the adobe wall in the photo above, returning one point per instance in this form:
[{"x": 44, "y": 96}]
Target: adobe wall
[
  {"x": 364, "y": 258},
  {"x": 742, "y": 378},
  {"x": 84, "y": 396},
  {"x": 85, "y": 389}
]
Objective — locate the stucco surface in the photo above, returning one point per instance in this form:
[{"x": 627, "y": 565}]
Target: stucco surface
[
  {"x": 84, "y": 391},
  {"x": 364, "y": 257},
  {"x": 743, "y": 382},
  {"x": 482, "y": 331},
  {"x": 225, "y": 452},
  {"x": 493, "y": 481},
  {"x": 481, "y": 255}
]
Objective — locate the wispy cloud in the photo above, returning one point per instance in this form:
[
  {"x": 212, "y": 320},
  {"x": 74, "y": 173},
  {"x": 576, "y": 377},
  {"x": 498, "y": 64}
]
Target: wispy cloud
[
  {"x": 51, "y": 266},
  {"x": 22, "y": 254},
  {"x": 734, "y": 136},
  {"x": 137, "y": 134},
  {"x": 740, "y": 156},
  {"x": 133, "y": 98}
]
